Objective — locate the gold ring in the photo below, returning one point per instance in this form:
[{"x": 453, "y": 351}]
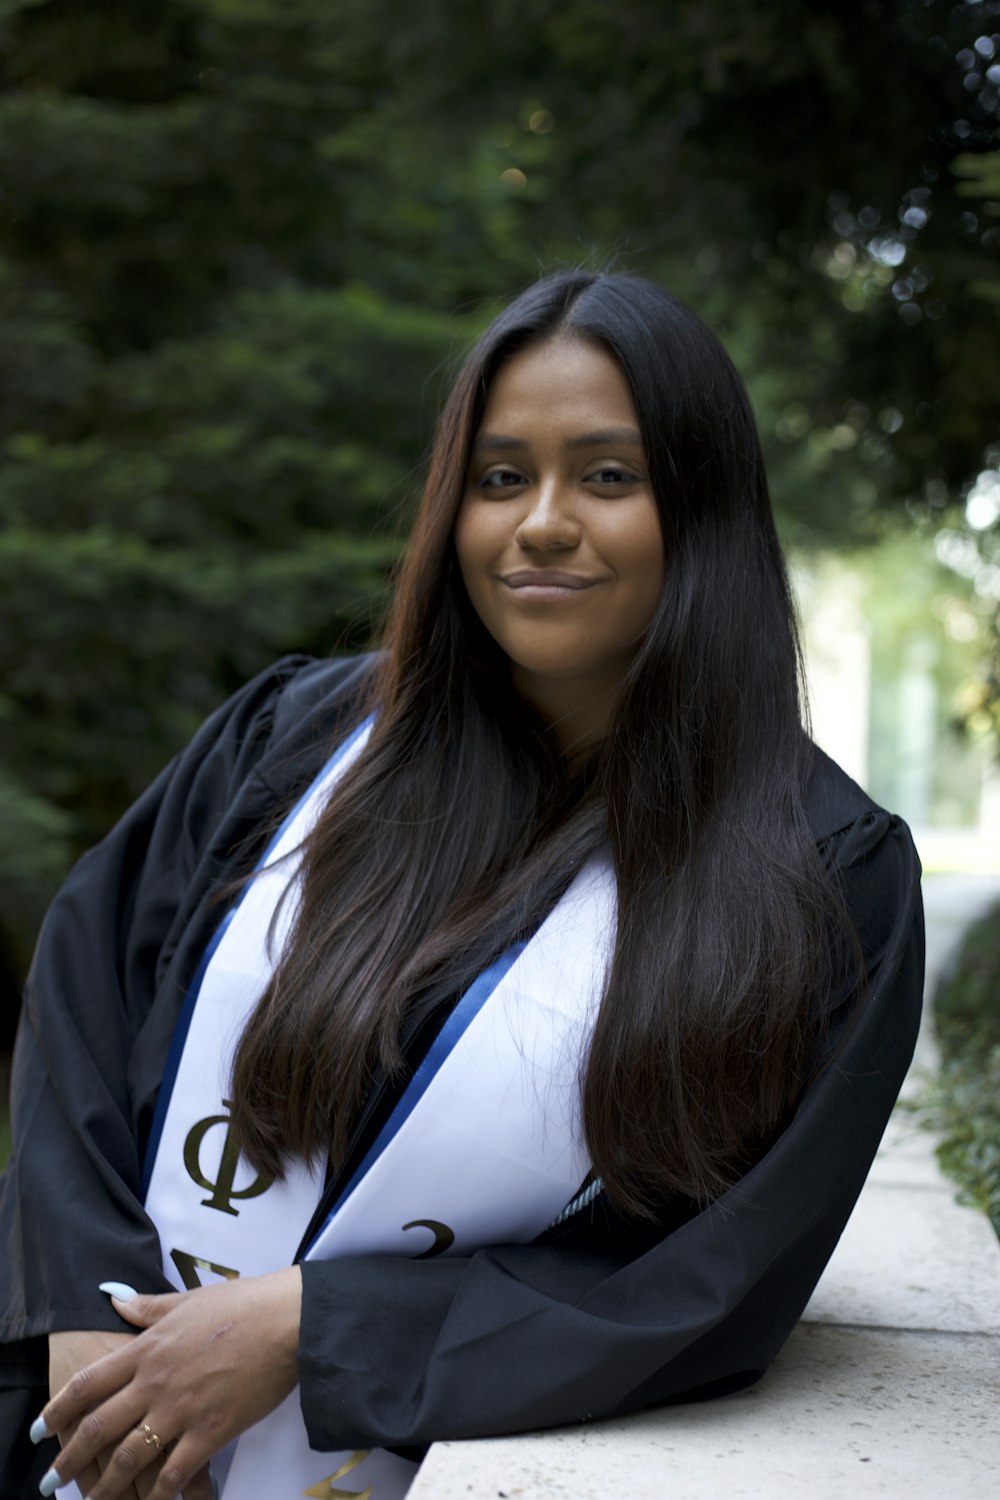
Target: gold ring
[{"x": 149, "y": 1437}]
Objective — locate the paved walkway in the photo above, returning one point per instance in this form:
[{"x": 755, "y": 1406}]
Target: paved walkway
[{"x": 889, "y": 1387}]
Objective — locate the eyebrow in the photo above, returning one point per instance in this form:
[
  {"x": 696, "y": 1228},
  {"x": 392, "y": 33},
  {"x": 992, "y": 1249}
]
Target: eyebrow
[{"x": 608, "y": 435}]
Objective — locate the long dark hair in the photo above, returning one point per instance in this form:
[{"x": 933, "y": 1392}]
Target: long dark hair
[{"x": 462, "y": 824}]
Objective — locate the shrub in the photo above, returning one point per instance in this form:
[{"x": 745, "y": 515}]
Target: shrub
[{"x": 963, "y": 1103}]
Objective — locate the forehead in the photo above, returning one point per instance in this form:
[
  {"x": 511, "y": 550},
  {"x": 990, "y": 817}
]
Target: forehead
[{"x": 562, "y": 381}]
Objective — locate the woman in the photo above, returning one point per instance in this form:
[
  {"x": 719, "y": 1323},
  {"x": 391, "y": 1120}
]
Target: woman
[{"x": 570, "y": 813}]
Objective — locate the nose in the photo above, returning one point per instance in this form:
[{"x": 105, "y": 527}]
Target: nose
[{"x": 550, "y": 522}]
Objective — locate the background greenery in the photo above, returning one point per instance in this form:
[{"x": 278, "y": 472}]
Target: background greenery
[
  {"x": 963, "y": 1102},
  {"x": 243, "y": 242}
]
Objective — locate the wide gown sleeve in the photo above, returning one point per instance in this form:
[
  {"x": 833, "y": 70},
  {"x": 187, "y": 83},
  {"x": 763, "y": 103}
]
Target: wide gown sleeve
[
  {"x": 70, "y": 1203},
  {"x": 591, "y": 1324}
]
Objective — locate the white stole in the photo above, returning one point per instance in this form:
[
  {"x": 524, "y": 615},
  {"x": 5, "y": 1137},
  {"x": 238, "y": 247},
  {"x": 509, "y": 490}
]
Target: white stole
[{"x": 484, "y": 1146}]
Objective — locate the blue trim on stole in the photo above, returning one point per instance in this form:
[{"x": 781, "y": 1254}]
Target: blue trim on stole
[
  {"x": 461, "y": 1018},
  {"x": 194, "y": 988}
]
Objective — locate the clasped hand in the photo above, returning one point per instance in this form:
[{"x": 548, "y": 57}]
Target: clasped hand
[{"x": 207, "y": 1365}]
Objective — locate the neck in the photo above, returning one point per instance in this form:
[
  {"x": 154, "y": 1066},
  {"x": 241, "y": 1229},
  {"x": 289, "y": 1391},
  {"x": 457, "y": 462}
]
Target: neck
[{"x": 579, "y": 719}]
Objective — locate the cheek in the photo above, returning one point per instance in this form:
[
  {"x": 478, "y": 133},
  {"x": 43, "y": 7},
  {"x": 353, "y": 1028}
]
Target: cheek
[{"x": 643, "y": 558}]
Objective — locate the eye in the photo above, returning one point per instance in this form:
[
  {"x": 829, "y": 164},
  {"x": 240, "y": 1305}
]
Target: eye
[
  {"x": 613, "y": 476},
  {"x": 494, "y": 481}
]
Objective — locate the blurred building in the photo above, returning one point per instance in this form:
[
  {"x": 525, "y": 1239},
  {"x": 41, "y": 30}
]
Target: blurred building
[{"x": 887, "y": 659}]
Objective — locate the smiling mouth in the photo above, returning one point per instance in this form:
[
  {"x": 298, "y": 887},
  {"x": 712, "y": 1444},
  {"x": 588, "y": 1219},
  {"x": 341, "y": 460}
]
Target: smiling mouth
[{"x": 547, "y": 579}]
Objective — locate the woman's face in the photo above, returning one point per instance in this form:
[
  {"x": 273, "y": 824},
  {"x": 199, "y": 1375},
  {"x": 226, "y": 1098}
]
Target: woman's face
[{"x": 557, "y": 535}]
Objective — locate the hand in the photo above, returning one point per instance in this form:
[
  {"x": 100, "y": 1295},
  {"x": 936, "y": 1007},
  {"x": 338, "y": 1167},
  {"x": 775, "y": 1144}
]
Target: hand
[
  {"x": 210, "y": 1363},
  {"x": 74, "y": 1350},
  {"x": 71, "y": 1351}
]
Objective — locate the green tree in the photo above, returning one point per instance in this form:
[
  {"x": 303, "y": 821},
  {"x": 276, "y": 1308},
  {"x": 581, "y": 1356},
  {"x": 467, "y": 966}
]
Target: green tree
[{"x": 244, "y": 241}]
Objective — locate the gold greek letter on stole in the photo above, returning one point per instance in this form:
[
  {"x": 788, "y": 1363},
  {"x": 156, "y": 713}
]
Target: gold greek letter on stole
[
  {"x": 189, "y": 1265},
  {"x": 444, "y": 1237},
  {"x": 327, "y": 1488},
  {"x": 222, "y": 1190}
]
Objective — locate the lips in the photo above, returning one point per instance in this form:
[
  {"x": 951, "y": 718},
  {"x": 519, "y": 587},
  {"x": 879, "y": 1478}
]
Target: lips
[{"x": 546, "y": 578}]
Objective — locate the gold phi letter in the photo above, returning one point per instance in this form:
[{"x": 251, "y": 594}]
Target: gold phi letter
[{"x": 222, "y": 1191}]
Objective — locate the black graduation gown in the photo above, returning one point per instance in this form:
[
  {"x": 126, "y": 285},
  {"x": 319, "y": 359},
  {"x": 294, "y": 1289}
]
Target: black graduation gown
[{"x": 596, "y": 1318}]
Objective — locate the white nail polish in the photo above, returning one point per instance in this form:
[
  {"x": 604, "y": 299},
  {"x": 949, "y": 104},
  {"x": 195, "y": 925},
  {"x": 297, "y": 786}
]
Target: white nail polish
[{"x": 119, "y": 1289}]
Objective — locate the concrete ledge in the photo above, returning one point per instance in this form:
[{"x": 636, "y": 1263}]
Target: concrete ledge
[
  {"x": 843, "y": 1412},
  {"x": 911, "y": 1257}
]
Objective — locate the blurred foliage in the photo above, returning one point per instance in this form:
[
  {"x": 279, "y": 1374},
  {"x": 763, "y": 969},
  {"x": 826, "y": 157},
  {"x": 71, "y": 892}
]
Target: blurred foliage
[
  {"x": 967, "y": 1001},
  {"x": 244, "y": 242},
  {"x": 35, "y": 846},
  {"x": 981, "y": 179},
  {"x": 963, "y": 1102},
  {"x": 971, "y": 554}
]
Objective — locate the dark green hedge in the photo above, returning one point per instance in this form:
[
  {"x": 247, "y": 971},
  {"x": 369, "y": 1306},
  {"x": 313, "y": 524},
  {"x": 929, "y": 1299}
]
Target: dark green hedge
[{"x": 964, "y": 1102}]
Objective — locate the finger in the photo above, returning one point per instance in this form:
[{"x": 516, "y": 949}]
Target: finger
[
  {"x": 92, "y": 1471},
  {"x": 131, "y": 1469},
  {"x": 183, "y": 1467},
  {"x": 89, "y": 1477},
  {"x": 201, "y": 1486},
  {"x": 92, "y": 1384},
  {"x": 167, "y": 1478},
  {"x": 142, "y": 1311},
  {"x": 145, "y": 1481},
  {"x": 143, "y": 1484},
  {"x": 111, "y": 1435}
]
